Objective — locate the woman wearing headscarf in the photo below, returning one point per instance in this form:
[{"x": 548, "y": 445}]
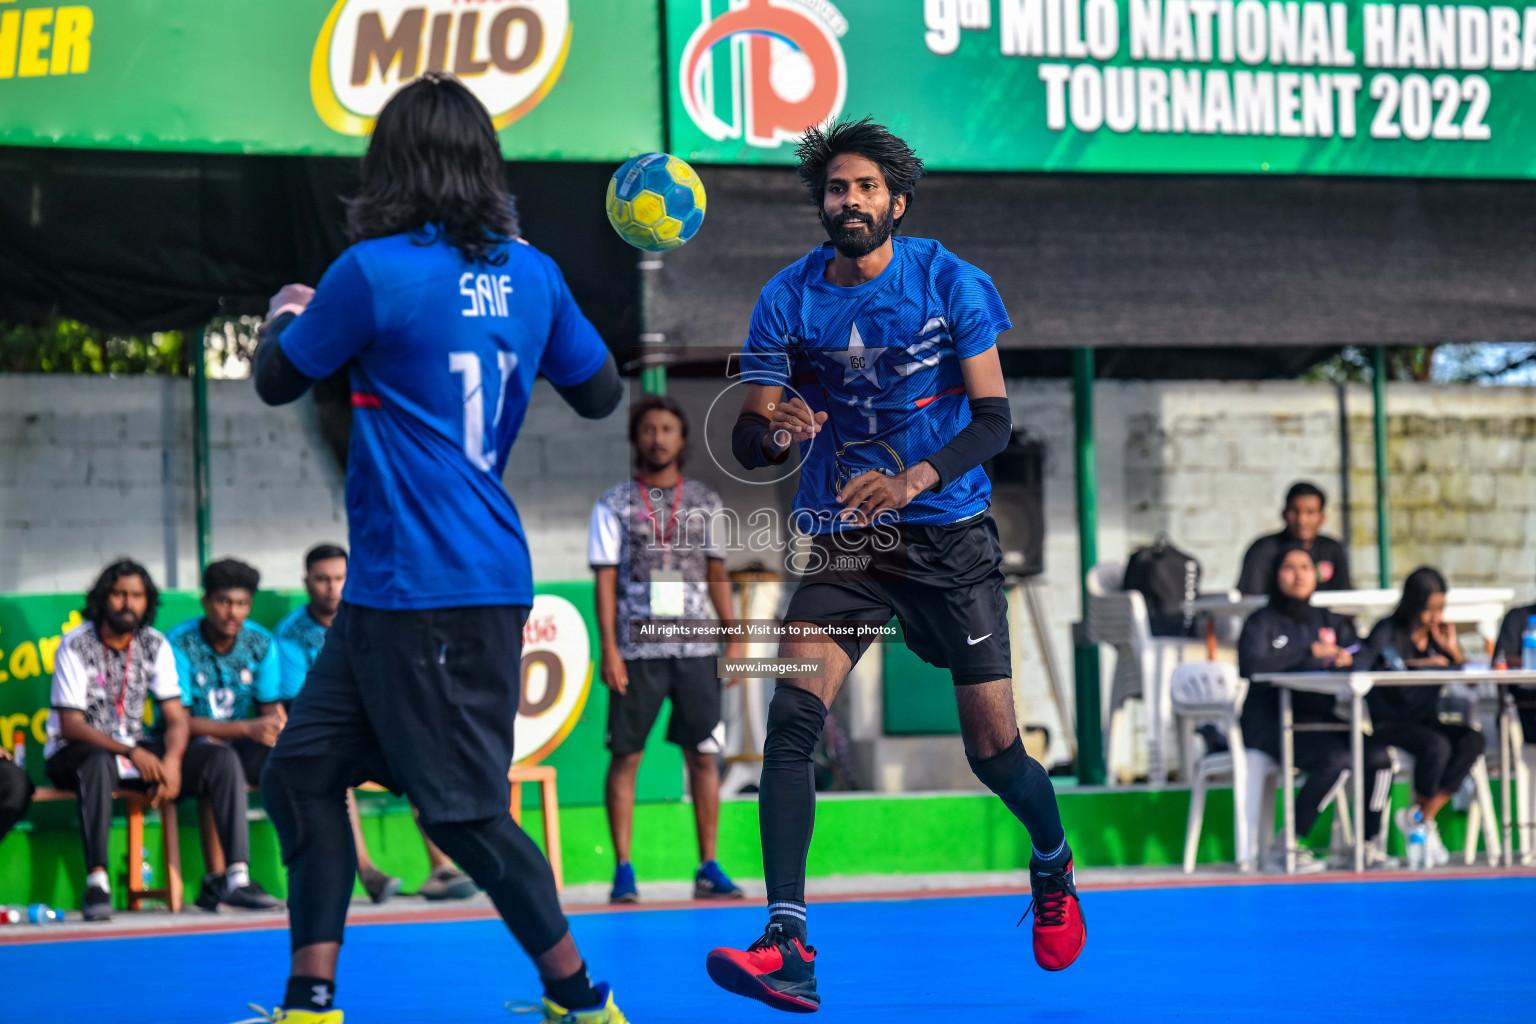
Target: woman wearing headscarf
[
  {"x": 1416, "y": 636},
  {"x": 1290, "y": 635}
]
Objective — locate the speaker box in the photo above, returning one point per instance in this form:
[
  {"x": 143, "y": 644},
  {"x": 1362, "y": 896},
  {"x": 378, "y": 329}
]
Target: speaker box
[{"x": 1018, "y": 503}]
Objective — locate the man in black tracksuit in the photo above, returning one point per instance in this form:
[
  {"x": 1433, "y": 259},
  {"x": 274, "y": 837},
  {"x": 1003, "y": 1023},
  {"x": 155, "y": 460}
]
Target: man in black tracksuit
[
  {"x": 1289, "y": 635},
  {"x": 1304, "y": 516}
]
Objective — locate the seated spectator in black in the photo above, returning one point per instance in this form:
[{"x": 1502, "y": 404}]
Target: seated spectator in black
[
  {"x": 1509, "y": 652},
  {"x": 1304, "y": 516},
  {"x": 1416, "y": 636},
  {"x": 103, "y": 673},
  {"x": 15, "y": 792},
  {"x": 1289, "y": 635},
  {"x": 231, "y": 683}
]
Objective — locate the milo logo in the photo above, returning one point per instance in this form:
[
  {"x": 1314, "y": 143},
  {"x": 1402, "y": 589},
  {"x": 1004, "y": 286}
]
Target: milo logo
[{"x": 508, "y": 52}]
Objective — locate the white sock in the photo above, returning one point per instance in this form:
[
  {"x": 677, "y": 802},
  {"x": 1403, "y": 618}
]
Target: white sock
[
  {"x": 237, "y": 877},
  {"x": 98, "y": 879}
]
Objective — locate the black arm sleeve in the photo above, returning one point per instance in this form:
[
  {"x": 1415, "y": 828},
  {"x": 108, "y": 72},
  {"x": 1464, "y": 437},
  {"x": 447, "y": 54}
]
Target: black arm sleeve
[
  {"x": 278, "y": 381},
  {"x": 747, "y": 442},
  {"x": 986, "y": 435},
  {"x": 598, "y": 395}
]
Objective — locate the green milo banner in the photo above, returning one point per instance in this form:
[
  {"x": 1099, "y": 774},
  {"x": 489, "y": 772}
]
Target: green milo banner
[
  {"x": 1196, "y": 86},
  {"x": 563, "y": 79}
]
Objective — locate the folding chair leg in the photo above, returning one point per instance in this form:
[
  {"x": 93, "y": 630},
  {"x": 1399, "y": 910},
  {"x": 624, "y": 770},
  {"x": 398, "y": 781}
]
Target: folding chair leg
[
  {"x": 1489, "y": 821},
  {"x": 551, "y": 802},
  {"x": 1196, "y": 820}
]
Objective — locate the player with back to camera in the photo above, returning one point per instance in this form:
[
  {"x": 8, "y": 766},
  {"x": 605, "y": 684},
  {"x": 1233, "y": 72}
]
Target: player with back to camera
[
  {"x": 442, "y": 317},
  {"x": 899, "y": 337}
]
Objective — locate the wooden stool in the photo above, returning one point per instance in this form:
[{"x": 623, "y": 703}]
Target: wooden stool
[
  {"x": 170, "y": 845},
  {"x": 549, "y": 798}
]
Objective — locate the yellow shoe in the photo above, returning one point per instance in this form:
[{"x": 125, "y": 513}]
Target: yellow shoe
[
  {"x": 554, "y": 1013},
  {"x": 278, "y": 1015}
]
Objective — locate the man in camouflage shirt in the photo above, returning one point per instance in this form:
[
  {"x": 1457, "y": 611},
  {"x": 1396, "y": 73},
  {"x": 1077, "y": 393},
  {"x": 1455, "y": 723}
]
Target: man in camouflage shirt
[{"x": 653, "y": 548}]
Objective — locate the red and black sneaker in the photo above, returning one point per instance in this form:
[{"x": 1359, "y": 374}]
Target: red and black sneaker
[
  {"x": 776, "y": 969},
  {"x": 1060, "y": 930}
]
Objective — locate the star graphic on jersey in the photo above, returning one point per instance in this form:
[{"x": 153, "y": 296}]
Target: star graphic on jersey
[{"x": 857, "y": 360}]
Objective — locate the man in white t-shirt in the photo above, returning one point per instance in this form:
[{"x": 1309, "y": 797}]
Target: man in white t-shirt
[
  {"x": 653, "y": 549},
  {"x": 105, "y": 671}
]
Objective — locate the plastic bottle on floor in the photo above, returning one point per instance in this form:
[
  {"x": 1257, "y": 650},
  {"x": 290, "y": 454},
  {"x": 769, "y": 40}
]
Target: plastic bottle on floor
[
  {"x": 9, "y": 916},
  {"x": 1418, "y": 843},
  {"x": 42, "y": 913}
]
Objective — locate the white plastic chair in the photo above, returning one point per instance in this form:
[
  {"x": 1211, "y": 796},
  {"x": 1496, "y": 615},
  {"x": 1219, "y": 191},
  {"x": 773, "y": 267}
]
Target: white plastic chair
[
  {"x": 1481, "y": 819},
  {"x": 1143, "y": 665},
  {"x": 1206, "y": 692}
]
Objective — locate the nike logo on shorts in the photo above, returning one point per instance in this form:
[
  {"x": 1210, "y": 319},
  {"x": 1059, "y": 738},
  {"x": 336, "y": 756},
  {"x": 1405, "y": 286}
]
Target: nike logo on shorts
[{"x": 978, "y": 640}]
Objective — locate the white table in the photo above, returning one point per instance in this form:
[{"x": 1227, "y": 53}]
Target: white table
[
  {"x": 1354, "y": 686},
  {"x": 1480, "y": 607}
]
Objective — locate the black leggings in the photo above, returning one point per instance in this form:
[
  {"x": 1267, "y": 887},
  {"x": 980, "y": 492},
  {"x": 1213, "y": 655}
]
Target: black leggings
[
  {"x": 1443, "y": 755},
  {"x": 15, "y": 795}
]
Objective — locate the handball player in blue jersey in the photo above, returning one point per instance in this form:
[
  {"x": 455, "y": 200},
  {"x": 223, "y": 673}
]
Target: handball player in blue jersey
[
  {"x": 877, "y": 355},
  {"x": 442, "y": 317}
]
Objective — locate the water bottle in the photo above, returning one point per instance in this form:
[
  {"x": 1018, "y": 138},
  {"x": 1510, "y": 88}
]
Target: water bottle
[
  {"x": 42, "y": 913},
  {"x": 9, "y": 916},
  {"x": 1418, "y": 843},
  {"x": 1528, "y": 645},
  {"x": 147, "y": 875}
]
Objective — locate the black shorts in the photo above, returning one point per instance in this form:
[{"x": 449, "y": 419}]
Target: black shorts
[
  {"x": 419, "y": 701},
  {"x": 943, "y": 582},
  {"x": 694, "y": 689}
]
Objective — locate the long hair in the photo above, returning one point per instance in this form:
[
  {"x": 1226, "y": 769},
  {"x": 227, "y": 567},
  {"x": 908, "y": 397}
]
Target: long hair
[
  {"x": 434, "y": 159},
  {"x": 95, "y": 611},
  {"x": 897, "y": 161},
  {"x": 650, "y": 403},
  {"x": 1421, "y": 584}
]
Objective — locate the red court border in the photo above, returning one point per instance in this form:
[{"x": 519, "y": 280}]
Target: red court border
[{"x": 254, "y": 923}]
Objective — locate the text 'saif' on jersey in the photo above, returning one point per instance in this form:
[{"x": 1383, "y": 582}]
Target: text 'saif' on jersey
[
  {"x": 882, "y": 360},
  {"x": 442, "y": 353}
]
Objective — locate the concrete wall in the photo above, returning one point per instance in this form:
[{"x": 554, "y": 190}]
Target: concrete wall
[{"x": 94, "y": 467}]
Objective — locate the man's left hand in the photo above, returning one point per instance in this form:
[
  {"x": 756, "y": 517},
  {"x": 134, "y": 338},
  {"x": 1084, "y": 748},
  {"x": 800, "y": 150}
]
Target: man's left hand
[
  {"x": 290, "y": 295},
  {"x": 733, "y": 651},
  {"x": 170, "y": 785},
  {"x": 870, "y": 493}
]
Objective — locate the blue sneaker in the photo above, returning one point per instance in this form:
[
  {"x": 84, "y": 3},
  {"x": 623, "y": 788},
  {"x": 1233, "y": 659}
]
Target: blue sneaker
[
  {"x": 712, "y": 883},
  {"x": 624, "y": 890}
]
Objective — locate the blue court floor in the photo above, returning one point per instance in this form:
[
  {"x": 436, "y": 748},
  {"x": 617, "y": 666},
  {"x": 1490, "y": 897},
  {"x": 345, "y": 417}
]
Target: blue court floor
[{"x": 1419, "y": 951}]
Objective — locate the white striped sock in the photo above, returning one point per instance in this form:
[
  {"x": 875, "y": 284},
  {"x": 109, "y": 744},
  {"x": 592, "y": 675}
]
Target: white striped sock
[{"x": 787, "y": 909}]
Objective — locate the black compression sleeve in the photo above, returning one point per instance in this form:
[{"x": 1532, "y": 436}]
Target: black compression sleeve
[
  {"x": 598, "y": 395},
  {"x": 985, "y": 436},
  {"x": 747, "y": 442},
  {"x": 278, "y": 381}
]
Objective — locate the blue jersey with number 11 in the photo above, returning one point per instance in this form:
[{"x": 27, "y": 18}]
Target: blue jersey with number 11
[{"x": 442, "y": 354}]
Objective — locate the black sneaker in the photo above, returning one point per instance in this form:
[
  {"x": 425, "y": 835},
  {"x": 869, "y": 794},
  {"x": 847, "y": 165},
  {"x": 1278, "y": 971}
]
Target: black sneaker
[
  {"x": 208, "y": 893},
  {"x": 97, "y": 904},
  {"x": 379, "y": 886},
  {"x": 776, "y": 969},
  {"x": 250, "y": 896}
]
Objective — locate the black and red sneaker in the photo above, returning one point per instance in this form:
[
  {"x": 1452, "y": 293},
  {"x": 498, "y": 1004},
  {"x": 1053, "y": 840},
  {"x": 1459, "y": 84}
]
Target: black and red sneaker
[
  {"x": 1060, "y": 930},
  {"x": 777, "y": 969}
]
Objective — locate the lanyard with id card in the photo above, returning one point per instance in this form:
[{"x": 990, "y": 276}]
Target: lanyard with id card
[
  {"x": 125, "y": 767},
  {"x": 667, "y": 589}
]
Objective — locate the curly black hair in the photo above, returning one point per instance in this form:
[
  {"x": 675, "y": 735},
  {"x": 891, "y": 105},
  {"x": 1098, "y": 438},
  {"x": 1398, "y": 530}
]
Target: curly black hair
[
  {"x": 230, "y": 574},
  {"x": 898, "y": 162},
  {"x": 434, "y": 159},
  {"x": 95, "y": 611}
]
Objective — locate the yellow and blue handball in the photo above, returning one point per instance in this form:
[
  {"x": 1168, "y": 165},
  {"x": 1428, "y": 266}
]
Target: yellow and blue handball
[{"x": 655, "y": 202}]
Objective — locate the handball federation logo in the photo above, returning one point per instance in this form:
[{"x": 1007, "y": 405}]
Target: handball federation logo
[
  {"x": 508, "y": 52},
  {"x": 784, "y": 69}
]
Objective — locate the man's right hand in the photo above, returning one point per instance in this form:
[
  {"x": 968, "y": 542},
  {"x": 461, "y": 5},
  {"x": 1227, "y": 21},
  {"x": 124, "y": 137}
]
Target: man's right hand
[
  {"x": 1322, "y": 650},
  {"x": 149, "y": 766},
  {"x": 266, "y": 729},
  {"x": 790, "y": 423},
  {"x": 615, "y": 674},
  {"x": 288, "y": 296}
]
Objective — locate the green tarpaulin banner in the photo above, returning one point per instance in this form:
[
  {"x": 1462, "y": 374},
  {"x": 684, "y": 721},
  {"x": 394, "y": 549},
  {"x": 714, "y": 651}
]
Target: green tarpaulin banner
[
  {"x": 564, "y": 79},
  {"x": 1196, "y": 86}
]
